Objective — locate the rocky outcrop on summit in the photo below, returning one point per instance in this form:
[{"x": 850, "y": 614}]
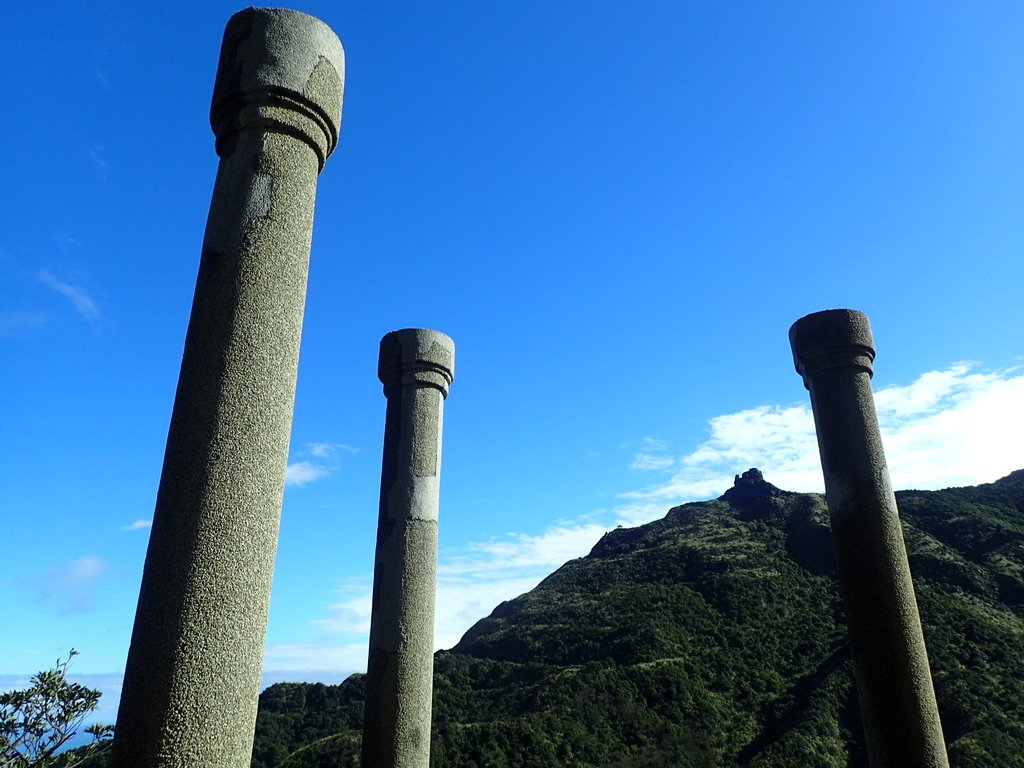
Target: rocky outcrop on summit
[
  {"x": 751, "y": 488},
  {"x": 715, "y": 637}
]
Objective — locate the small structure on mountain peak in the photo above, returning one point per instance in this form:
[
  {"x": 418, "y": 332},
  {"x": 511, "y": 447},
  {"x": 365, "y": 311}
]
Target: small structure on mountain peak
[
  {"x": 752, "y": 475},
  {"x": 750, "y": 488}
]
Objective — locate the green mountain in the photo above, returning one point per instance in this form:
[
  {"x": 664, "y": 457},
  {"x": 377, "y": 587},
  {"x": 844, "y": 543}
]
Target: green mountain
[{"x": 711, "y": 637}]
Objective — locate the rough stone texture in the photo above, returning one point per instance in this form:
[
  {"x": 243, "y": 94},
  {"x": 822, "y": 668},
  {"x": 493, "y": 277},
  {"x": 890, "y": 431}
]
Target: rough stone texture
[
  {"x": 192, "y": 678},
  {"x": 834, "y": 352},
  {"x": 416, "y": 367}
]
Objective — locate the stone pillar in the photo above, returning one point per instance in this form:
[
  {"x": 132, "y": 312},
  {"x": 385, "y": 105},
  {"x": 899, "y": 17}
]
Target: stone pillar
[
  {"x": 193, "y": 672},
  {"x": 833, "y": 352},
  {"x": 416, "y": 367}
]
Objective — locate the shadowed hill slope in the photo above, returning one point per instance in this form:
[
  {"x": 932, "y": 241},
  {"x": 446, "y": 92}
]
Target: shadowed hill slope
[{"x": 711, "y": 637}]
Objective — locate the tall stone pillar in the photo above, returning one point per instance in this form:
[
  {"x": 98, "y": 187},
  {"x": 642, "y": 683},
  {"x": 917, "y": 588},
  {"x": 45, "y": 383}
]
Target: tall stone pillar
[
  {"x": 416, "y": 367},
  {"x": 833, "y": 352},
  {"x": 193, "y": 671}
]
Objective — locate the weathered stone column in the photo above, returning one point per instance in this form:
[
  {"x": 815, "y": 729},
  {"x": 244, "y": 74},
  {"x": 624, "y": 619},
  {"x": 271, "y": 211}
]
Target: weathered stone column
[
  {"x": 416, "y": 367},
  {"x": 193, "y": 671},
  {"x": 834, "y": 351}
]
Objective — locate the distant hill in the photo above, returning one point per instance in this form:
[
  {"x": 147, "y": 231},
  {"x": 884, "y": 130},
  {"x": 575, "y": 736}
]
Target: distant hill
[{"x": 711, "y": 637}]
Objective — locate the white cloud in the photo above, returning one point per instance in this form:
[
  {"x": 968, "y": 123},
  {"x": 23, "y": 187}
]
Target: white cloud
[
  {"x": 351, "y": 614},
  {"x": 340, "y": 658},
  {"x": 339, "y": 645},
  {"x": 324, "y": 462},
  {"x": 639, "y": 512},
  {"x": 521, "y": 551},
  {"x": 651, "y": 456},
  {"x": 138, "y": 525},
  {"x": 779, "y": 440},
  {"x": 328, "y": 450},
  {"x": 646, "y": 462},
  {"x": 471, "y": 581},
  {"x": 953, "y": 427},
  {"x": 301, "y": 472},
  {"x": 71, "y": 588},
  {"x": 320, "y": 450},
  {"x": 461, "y": 602},
  {"x": 950, "y": 427},
  {"x": 947, "y": 428},
  {"x": 84, "y": 569},
  {"x": 77, "y": 295}
]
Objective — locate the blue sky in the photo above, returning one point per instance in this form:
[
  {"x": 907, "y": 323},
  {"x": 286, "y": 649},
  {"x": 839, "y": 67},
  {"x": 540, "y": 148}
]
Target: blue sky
[{"x": 616, "y": 210}]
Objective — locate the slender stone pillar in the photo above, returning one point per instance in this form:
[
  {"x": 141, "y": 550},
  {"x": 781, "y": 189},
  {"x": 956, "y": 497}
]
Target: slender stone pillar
[
  {"x": 833, "y": 352},
  {"x": 193, "y": 671},
  {"x": 416, "y": 367}
]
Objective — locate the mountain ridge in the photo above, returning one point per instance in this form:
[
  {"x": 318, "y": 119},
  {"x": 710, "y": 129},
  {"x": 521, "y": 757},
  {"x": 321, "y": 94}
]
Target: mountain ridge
[{"x": 713, "y": 636}]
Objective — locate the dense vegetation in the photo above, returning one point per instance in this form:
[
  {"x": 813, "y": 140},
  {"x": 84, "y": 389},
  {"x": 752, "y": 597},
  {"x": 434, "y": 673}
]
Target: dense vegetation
[
  {"x": 35, "y": 722},
  {"x": 712, "y": 637}
]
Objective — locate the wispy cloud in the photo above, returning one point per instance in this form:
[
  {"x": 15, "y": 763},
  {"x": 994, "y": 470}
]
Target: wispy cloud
[
  {"x": 322, "y": 657},
  {"x": 651, "y": 456},
  {"x": 957, "y": 426},
  {"x": 71, "y": 588},
  {"x": 647, "y": 444},
  {"x": 66, "y": 243},
  {"x": 76, "y": 294},
  {"x": 300, "y": 473},
  {"x": 138, "y": 525},
  {"x": 16, "y": 323},
  {"x": 350, "y": 614},
  {"x": 651, "y": 462},
  {"x": 471, "y": 581},
  {"x": 523, "y": 553},
  {"x": 329, "y": 450},
  {"x": 97, "y": 154},
  {"x": 337, "y": 645},
  {"x": 323, "y": 460}
]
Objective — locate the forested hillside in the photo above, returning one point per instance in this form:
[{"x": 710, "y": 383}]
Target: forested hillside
[{"x": 711, "y": 637}]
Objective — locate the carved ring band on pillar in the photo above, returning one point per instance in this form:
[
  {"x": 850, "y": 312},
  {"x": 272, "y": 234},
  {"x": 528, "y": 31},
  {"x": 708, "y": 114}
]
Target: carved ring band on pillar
[{"x": 281, "y": 71}]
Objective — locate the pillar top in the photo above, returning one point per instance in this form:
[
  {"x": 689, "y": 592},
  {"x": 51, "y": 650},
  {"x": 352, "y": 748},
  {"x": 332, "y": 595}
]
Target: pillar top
[
  {"x": 416, "y": 357},
  {"x": 831, "y": 340},
  {"x": 279, "y": 69}
]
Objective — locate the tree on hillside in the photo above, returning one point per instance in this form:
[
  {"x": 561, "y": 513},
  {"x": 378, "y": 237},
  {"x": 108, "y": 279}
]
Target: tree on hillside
[{"x": 36, "y": 722}]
